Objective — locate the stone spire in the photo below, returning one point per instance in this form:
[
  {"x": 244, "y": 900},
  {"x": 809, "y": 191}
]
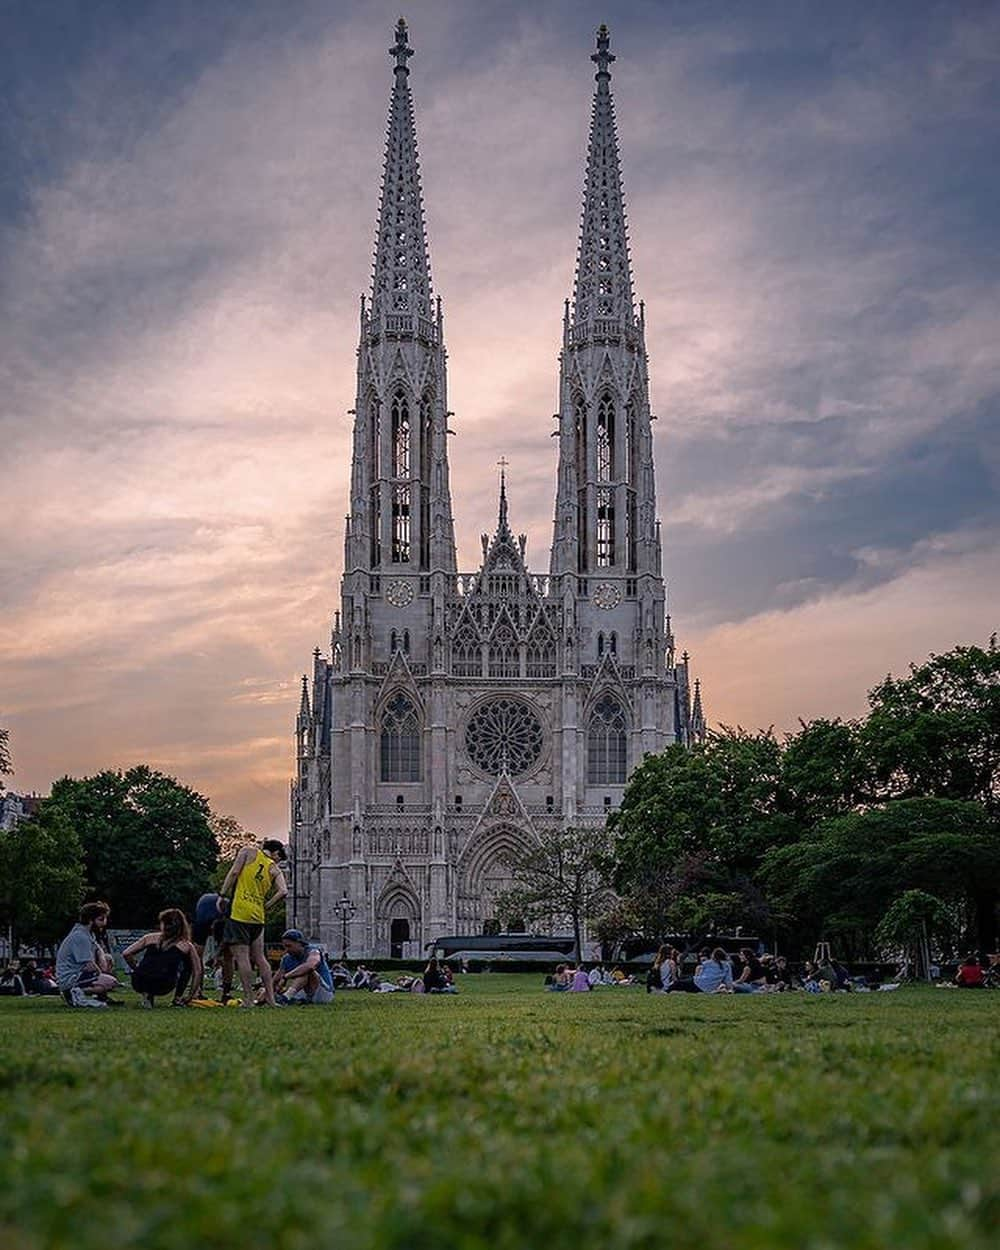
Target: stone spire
[
  {"x": 401, "y": 281},
  {"x": 605, "y": 513},
  {"x": 603, "y": 287},
  {"x": 697, "y": 714},
  {"x": 401, "y": 518},
  {"x": 502, "y": 506}
]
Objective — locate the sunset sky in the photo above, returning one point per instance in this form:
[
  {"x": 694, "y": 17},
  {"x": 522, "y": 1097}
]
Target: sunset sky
[{"x": 187, "y": 208}]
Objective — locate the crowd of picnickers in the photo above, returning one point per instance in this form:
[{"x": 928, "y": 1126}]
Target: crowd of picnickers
[{"x": 715, "y": 970}]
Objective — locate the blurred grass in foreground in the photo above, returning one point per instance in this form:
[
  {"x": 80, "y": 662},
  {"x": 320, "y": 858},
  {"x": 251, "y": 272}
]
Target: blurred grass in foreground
[{"x": 505, "y": 1118}]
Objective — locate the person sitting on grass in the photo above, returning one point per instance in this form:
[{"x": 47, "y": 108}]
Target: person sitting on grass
[
  {"x": 253, "y": 884},
  {"x": 714, "y": 976},
  {"x": 752, "y": 971},
  {"x": 970, "y": 975},
  {"x": 83, "y": 967},
  {"x": 166, "y": 961},
  {"x": 561, "y": 979},
  {"x": 37, "y": 980},
  {"x": 11, "y": 981},
  {"x": 434, "y": 980},
  {"x": 580, "y": 983},
  {"x": 662, "y": 971},
  {"x": 303, "y": 975}
]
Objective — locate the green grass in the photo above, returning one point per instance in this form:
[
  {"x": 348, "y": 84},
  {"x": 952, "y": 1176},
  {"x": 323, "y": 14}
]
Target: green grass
[{"x": 505, "y": 1118}]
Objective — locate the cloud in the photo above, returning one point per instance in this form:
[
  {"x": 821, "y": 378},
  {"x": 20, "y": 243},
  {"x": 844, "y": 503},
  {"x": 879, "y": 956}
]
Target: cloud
[{"x": 183, "y": 238}]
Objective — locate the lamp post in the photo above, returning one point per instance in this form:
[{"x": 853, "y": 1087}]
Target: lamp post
[{"x": 345, "y": 910}]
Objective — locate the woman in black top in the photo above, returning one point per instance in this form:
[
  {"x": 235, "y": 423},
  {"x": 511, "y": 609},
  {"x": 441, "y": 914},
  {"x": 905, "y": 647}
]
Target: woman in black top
[
  {"x": 434, "y": 982},
  {"x": 169, "y": 959}
]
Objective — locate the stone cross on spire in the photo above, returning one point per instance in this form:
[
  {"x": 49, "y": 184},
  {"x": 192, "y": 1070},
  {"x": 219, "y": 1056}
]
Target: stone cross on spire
[
  {"x": 603, "y": 57},
  {"x": 503, "y": 462},
  {"x": 401, "y": 49}
]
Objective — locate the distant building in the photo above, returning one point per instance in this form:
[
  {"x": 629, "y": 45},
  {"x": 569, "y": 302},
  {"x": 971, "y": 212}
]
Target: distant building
[
  {"x": 17, "y": 807},
  {"x": 458, "y": 714}
]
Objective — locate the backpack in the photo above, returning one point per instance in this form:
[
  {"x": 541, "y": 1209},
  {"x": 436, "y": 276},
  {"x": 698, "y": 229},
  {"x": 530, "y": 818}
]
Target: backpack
[{"x": 654, "y": 979}]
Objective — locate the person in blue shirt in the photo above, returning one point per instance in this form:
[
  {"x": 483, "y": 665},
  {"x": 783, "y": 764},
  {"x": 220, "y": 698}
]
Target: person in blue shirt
[
  {"x": 304, "y": 975},
  {"x": 714, "y": 976}
]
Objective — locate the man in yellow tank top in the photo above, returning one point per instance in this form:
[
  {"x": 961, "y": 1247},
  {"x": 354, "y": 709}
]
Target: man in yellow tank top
[{"x": 254, "y": 883}]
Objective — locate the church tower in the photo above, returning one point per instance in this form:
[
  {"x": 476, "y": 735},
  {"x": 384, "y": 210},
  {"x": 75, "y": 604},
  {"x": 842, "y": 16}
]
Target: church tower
[{"x": 461, "y": 715}]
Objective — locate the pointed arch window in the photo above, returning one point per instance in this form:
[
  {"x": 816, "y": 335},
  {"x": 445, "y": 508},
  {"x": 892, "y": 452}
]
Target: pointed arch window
[
  {"x": 467, "y": 653},
  {"x": 541, "y": 655},
  {"x": 580, "y": 430},
  {"x": 607, "y": 744},
  {"x": 400, "y": 740},
  {"x": 400, "y": 435},
  {"x": 605, "y": 439},
  {"x": 505, "y": 658},
  {"x": 605, "y": 526}
]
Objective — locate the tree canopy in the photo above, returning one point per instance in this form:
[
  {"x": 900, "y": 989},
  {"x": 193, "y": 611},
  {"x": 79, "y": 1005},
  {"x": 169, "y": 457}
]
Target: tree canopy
[
  {"x": 146, "y": 840},
  {"x": 41, "y": 877},
  {"x": 819, "y": 833}
]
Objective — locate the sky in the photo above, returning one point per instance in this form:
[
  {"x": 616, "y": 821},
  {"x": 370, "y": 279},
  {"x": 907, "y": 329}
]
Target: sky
[{"x": 187, "y": 210}]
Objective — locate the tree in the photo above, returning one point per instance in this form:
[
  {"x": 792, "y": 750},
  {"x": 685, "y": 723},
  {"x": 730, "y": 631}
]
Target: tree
[
  {"x": 4, "y": 755},
  {"x": 230, "y": 836},
  {"x": 839, "y": 880},
  {"x": 825, "y": 770},
  {"x": 937, "y": 732},
  {"x": 559, "y": 879},
  {"x": 41, "y": 877},
  {"x": 692, "y": 828},
  {"x": 910, "y": 923},
  {"x": 146, "y": 840}
]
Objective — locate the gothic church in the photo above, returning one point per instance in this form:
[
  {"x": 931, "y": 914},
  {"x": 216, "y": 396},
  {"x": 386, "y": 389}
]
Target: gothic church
[{"x": 459, "y": 714}]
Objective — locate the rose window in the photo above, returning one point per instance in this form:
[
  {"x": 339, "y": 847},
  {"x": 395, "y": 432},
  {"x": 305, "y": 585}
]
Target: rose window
[{"x": 504, "y": 735}]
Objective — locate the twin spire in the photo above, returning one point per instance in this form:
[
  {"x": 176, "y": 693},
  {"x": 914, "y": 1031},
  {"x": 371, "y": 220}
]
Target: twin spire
[
  {"x": 603, "y": 272},
  {"x": 401, "y": 282}
]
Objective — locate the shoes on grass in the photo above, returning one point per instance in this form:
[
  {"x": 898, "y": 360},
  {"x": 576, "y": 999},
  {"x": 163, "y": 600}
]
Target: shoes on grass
[{"x": 77, "y": 998}]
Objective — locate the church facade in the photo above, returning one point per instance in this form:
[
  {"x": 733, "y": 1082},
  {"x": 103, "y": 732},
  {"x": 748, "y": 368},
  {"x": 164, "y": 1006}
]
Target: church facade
[{"x": 459, "y": 715}]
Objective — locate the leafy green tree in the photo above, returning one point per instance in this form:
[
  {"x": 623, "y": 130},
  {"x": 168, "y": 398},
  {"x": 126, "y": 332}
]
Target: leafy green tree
[
  {"x": 825, "y": 770},
  {"x": 910, "y": 924},
  {"x": 560, "y": 879},
  {"x": 839, "y": 880},
  {"x": 936, "y": 733},
  {"x": 692, "y": 829},
  {"x": 41, "y": 877},
  {"x": 146, "y": 840}
]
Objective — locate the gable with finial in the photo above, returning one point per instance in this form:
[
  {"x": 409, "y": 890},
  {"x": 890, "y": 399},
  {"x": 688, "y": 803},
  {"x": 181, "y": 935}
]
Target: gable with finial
[
  {"x": 399, "y": 676},
  {"x": 504, "y": 803},
  {"x": 607, "y": 678}
]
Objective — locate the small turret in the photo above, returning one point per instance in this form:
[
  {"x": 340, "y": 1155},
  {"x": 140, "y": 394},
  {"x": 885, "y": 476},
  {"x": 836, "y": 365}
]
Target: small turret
[{"x": 697, "y": 714}]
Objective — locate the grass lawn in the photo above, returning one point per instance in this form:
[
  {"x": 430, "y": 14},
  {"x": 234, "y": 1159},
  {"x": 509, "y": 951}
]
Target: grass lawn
[{"x": 505, "y": 1118}]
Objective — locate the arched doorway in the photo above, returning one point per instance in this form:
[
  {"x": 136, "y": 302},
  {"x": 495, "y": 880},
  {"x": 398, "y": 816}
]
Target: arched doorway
[
  {"x": 484, "y": 874},
  {"x": 399, "y": 932},
  {"x": 397, "y": 918}
]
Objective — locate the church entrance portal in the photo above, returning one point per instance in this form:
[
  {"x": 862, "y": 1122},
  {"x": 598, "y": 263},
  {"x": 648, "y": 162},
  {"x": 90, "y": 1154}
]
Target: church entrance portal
[{"x": 399, "y": 932}]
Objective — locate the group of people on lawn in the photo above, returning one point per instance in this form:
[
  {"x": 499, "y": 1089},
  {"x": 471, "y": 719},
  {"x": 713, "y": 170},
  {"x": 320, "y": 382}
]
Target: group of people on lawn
[{"x": 170, "y": 960}]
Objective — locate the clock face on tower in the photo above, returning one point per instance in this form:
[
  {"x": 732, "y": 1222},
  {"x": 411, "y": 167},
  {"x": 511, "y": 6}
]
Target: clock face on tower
[
  {"x": 399, "y": 593},
  {"x": 606, "y": 595}
]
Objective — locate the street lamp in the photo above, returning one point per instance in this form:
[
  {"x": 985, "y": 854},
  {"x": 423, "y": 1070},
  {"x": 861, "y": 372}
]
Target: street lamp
[{"x": 345, "y": 910}]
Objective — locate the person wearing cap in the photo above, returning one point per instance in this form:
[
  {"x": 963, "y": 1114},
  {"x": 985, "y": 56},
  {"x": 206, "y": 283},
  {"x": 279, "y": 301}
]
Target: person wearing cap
[
  {"x": 253, "y": 884},
  {"x": 303, "y": 975}
]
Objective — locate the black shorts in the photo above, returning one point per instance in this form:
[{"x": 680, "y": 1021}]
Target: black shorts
[
  {"x": 202, "y": 930},
  {"x": 240, "y": 933}
]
